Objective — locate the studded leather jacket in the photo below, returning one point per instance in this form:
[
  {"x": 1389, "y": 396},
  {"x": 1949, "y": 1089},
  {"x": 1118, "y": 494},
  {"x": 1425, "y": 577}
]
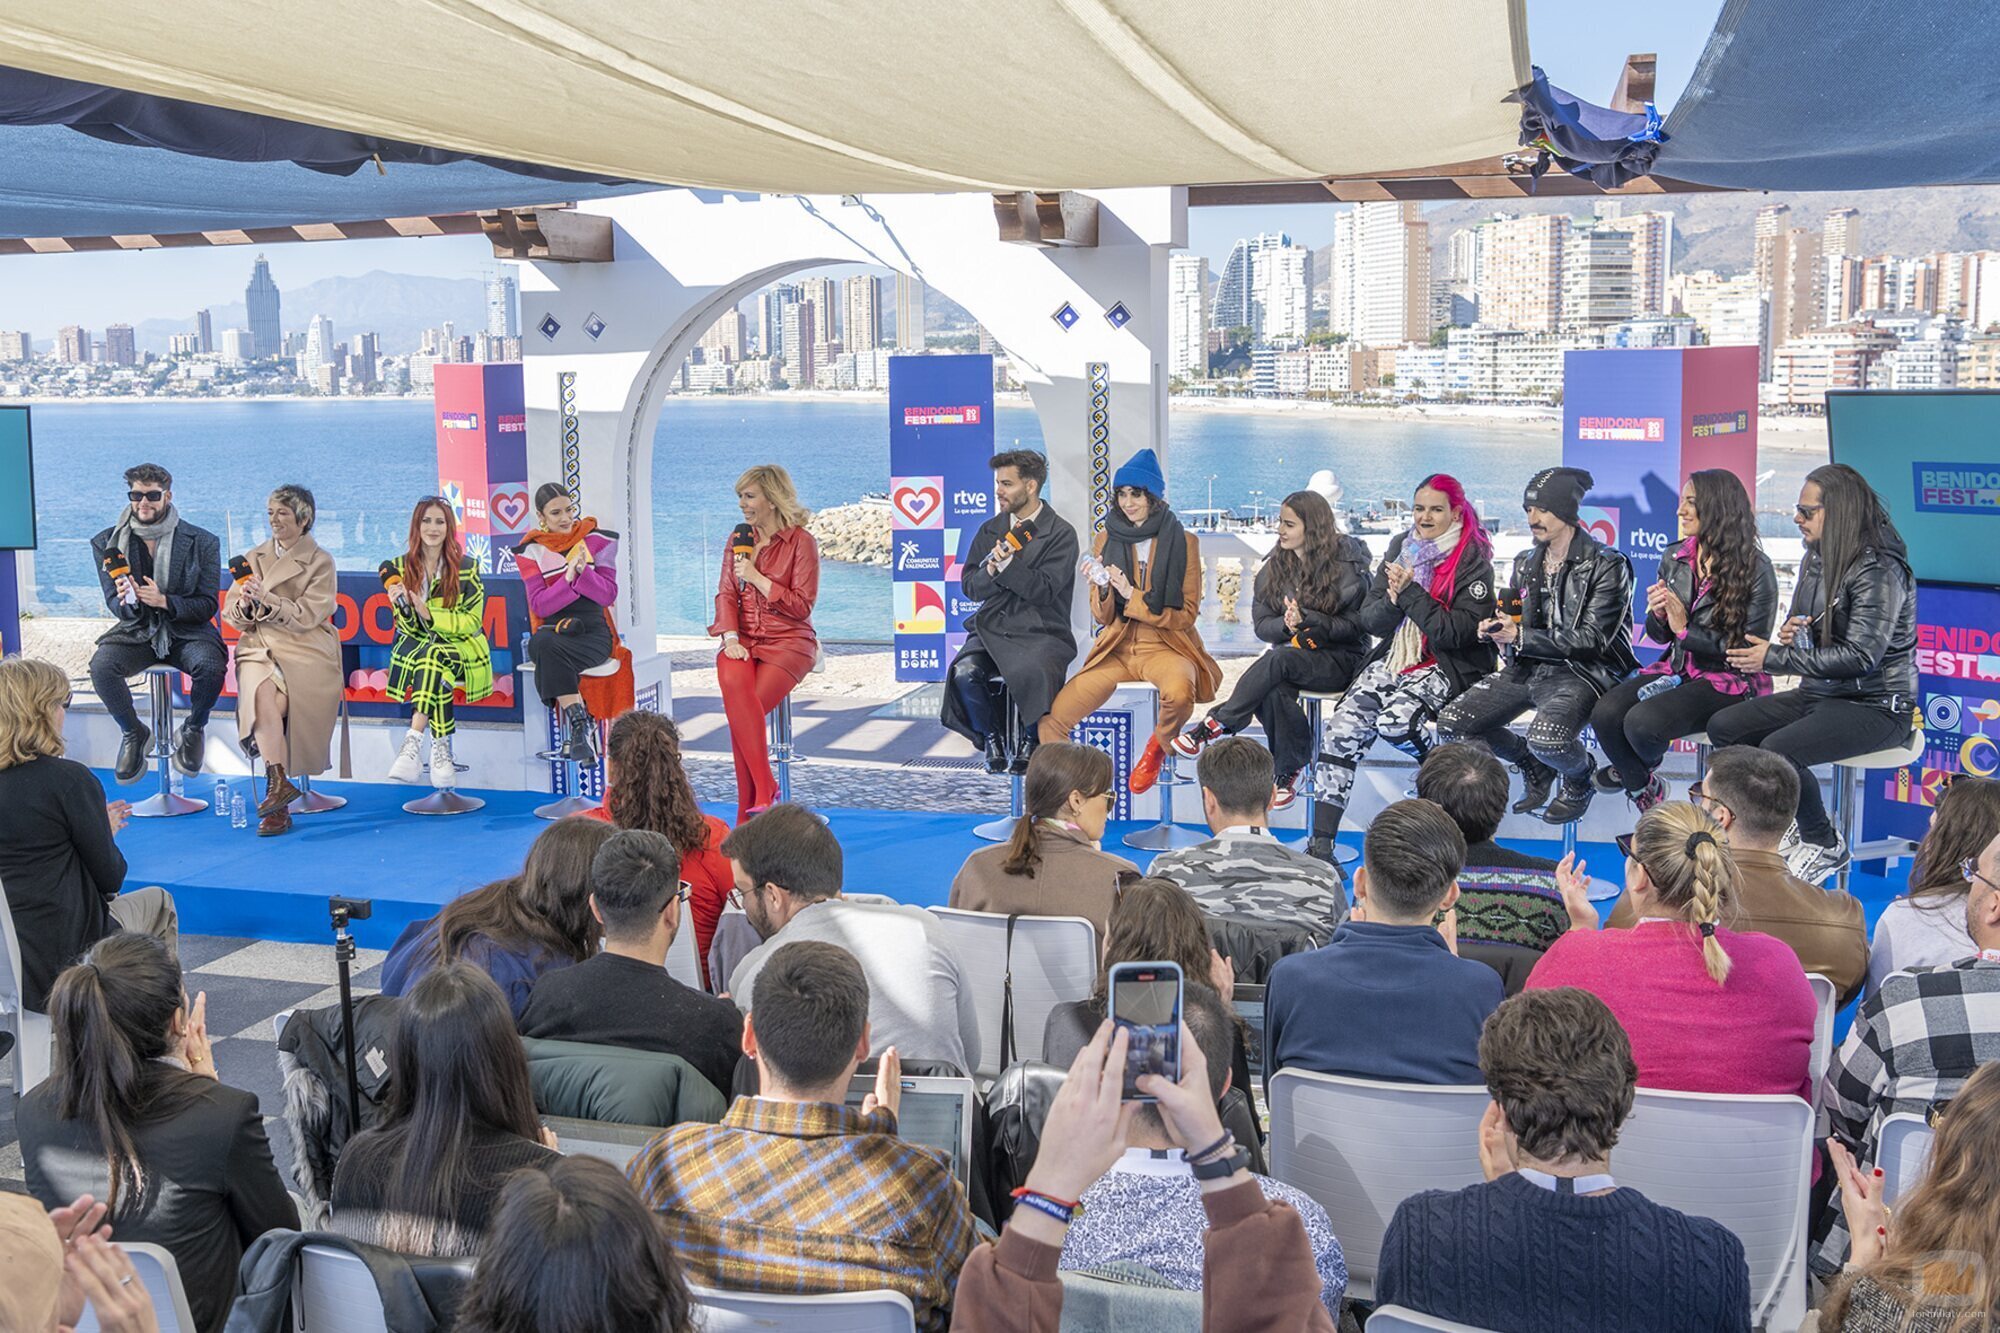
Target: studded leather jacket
[
  {"x": 1862, "y": 647},
  {"x": 1586, "y": 626}
]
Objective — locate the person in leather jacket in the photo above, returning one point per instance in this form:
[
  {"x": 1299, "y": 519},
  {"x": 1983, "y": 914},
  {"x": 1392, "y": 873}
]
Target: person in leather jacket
[
  {"x": 1571, "y": 645},
  {"x": 1432, "y": 591},
  {"x": 1851, "y": 638},
  {"x": 1715, "y": 588}
]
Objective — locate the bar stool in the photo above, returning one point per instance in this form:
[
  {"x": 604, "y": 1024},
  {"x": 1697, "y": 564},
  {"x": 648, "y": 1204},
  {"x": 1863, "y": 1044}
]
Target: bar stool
[
  {"x": 999, "y": 830},
  {"x": 1308, "y": 785},
  {"x": 1846, "y": 774},
  {"x": 310, "y": 802},
  {"x": 1702, "y": 747},
  {"x": 1166, "y": 835},
  {"x": 445, "y": 800},
  {"x": 165, "y": 803},
  {"x": 779, "y": 741}
]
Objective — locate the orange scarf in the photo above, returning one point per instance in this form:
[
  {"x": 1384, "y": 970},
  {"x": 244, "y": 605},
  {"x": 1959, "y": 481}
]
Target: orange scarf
[{"x": 561, "y": 542}]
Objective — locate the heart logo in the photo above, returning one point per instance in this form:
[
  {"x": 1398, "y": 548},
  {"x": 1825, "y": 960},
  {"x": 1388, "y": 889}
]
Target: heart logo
[
  {"x": 511, "y": 508},
  {"x": 916, "y": 502}
]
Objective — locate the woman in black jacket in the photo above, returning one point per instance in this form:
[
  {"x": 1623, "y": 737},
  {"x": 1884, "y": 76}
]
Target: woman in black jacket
[
  {"x": 1430, "y": 594},
  {"x": 1308, "y": 605},
  {"x": 134, "y": 1116},
  {"x": 1714, "y": 590},
  {"x": 1851, "y": 639}
]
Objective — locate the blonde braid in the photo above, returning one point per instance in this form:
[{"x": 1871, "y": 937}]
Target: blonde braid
[
  {"x": 1686, "y": 855},
  {"x": 1714, "y": 880}
]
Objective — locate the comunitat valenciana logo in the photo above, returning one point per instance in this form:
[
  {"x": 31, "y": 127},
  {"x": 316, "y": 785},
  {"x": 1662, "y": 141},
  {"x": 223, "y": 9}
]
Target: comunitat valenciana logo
[{"x": 1957, "y": 488}]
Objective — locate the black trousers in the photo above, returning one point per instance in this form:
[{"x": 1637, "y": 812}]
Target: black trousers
[
  {"x": 203, "y": 658},
  {"x": 1562, "y": 702},
  {"x": 561, "y": 659},
  {"x": 1269, "y": 692},
  {"x": 973, "y": 681},
  {"x": 1810, "y": 729},
  {"x": 1634, "y": 733}
]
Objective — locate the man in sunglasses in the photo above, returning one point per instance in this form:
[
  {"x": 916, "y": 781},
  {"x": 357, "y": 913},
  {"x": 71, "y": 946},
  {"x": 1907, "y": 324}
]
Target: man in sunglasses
[{"x": 165, "y": 610}]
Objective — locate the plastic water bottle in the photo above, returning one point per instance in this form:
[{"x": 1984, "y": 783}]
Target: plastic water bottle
[
  {"x": 179, "y": 784},
  {"x": 239, "y": 815},
  {"x": 1658, "y": 685},
  {"x": 221, "y": 803}
]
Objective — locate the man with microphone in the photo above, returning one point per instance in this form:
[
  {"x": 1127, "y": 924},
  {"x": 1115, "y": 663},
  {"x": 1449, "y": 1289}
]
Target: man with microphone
[
  {"x": 160, "y": 577},
  {"x": 1020, "y": 566}
]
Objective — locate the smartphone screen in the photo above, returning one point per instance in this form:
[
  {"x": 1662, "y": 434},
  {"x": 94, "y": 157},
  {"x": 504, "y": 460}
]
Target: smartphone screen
[{"x": 1146, "y": 1002}]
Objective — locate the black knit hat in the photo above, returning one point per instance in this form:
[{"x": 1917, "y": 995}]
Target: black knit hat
[{"x": 1559, "y": 490}]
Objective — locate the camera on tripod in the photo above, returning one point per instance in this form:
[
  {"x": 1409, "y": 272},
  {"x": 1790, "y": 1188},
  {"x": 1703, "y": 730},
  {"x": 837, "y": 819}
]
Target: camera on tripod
[{"x": 350, "y": 909}]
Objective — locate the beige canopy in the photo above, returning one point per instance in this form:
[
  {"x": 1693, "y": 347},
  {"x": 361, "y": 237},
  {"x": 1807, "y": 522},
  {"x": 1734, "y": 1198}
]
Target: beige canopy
[{"x": 839, "y": 96}]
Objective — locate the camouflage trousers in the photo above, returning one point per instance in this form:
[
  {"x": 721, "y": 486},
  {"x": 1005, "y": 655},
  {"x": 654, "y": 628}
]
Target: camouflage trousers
[{"x": 1380, "y": 704}]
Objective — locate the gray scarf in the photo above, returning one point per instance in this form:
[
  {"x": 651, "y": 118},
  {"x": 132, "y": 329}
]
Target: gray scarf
[{"x": 161, "y": 533}]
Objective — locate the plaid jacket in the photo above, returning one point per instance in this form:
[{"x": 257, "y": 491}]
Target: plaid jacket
[
  {"x": 461, "y": 626},
  {"x": 796, "y": 1199}
]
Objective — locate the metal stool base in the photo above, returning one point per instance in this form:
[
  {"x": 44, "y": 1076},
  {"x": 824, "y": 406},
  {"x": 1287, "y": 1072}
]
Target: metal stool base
[
  {"x": 444, "y": 801},
  {"x": 310, "y": 802},
  {"x": 997, "y": 830},
  {"x": 1164, "y": 838},
  {"x": 567, "y": 806},
  {"x": 165, "y": 805}
]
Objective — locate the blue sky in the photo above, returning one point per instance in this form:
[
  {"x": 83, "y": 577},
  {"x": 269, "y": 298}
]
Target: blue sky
[{"x": 1580, "y": 43}]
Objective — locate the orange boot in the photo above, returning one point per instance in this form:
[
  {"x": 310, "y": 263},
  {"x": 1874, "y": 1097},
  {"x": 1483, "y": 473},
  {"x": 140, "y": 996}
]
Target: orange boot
[{"x": 1147, "y": 771}]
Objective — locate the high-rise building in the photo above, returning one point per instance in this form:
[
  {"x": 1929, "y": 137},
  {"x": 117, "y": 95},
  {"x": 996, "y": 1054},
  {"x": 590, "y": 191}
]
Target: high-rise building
[
  {"x": 121, "y": 346},
  {"x": 1794, "y": 283},
  {"x": 1391, "y": 274},
  {"x": 235, "y": 345},
  {"x": 503, "y": 311},
  {"x": 1840, "y": 233},
  {"x": 1597, "y": 277},
  {"x": 15, "y": 345},
  {"x": 1773, "y": 220},
  {"x": 1281, "y": 293},
  {"x": 320, "y": 350},
  {"x": 1652, "y": 236},
  {"x": 1462, "y": 257},
  {"x": 909, "y": 313},
  {"x": 364, "y": 359},
  {"x": 862, "y": 329},
  {"x": 1521, "y": 272},
  {"x": 800, "y": 341},
  {"x": 725, "y": 340},
  {"x": 1840, "y": 287},
  {"x": 771, "y": 306},
  {"x": 1187, "y": 317},
  {"x": 204, "y": 332},
  {"x": 260, "y": 300},
  {"x": 73, "y": 344},
  {"x": 821, "y": 295},
  {"x": 1236, "y": 295},
  {"x": 1340, "y": 282}
]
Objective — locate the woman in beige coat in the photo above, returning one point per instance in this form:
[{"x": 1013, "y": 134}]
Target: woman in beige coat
[{"x": 289, "y": 681}]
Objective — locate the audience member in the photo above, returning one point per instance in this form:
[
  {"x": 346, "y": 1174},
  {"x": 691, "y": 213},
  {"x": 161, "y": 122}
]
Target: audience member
[
  {"x": 1147, "y": 1208},
  {"x": 1053, "y": 865},
  {"x": 132, "y": 1113},
  {"x": 1260, "y": 1273},
  {"x": 1388, "y": 998},
  {"x": 796, "y": 1192},
  {"x": 1918, "y": 1038},
  {"x": 515, "y": 929},
  {"x": 622, "y": 996},
  {"x": 573, "y": 1249},
  {"x": 60, "y": 866},
  {"x": 1926, "y": 927},
  {"x": 787, "y": 868},
  {"x": 1708, "y": 1009},
  {"x": 1751, "y": 794},
  {"x": 1243, "y": 871},
  {"x": 1509, "y": 909},
  {"x": 1929, "y": 1267},
  {"x": 647, "y": 788},
  {"x": 461, "y": 1120},
  {"x": 1551, "y": 1243},
  {"x": 52, "y": 1271}
]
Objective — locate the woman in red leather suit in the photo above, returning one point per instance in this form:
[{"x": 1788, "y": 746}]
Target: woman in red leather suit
[{"x": 763, "y": 615}]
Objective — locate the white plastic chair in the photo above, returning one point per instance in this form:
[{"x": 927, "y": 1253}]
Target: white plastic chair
[
  {"x": 682, "y": 965},
  {"x": 1822, "y": 1038},
  {"x": 335, "y": 1293},
  {"x": 1903, "y": 1150},
  {"x": 34, "y": 1035},
  {"x": 604, "y": 1139},
  {"x": 1743, "y": 1161},
  {"x": 834, "y": 1312},
  {"x": 1359, "y": 1148},
  {"x": 1397, "y": 1319},
  {"x": 1054, "y": 960},
  {"x": 161, "y": 1278}
]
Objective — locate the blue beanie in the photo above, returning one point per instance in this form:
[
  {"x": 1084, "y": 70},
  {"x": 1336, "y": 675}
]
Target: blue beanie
[{"x": 1142, "y": 470}]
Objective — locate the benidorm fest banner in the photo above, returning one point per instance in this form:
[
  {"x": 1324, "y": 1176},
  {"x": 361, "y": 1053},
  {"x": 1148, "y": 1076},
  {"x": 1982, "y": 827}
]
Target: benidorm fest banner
[{"x": 940, "y": 488}]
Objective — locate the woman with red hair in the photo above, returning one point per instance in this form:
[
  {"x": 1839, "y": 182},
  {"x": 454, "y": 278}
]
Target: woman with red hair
[
  {"x": 1430, "y": 594},
  {"x": 441, "y": 649}
]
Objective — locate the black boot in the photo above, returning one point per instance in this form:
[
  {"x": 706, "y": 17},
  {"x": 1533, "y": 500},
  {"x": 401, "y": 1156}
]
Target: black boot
[
  {"x": 1607, "y": 778},
  {"x": 132, "y": 754},
  {"x": 580, "y": 745},
  {"x": 996, "y": 753},
  {"x": 1574, "y": 800},
  {"x": 1536, "y": 779},
  {"x": 1024, "y": 751},
  {"x": 188, "y": 749}
]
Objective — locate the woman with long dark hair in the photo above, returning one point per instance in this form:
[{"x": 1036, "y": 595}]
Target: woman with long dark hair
[
  {"x": 516, "y": 928},
  {"x": 647, "y": 788},
  {"x": 441, "y": 651},
  {"x": 1425, "y": 604},
  {"x": 461, "y": 1121},
  {"x": 1715, "y": 591},
  {"x": 132, "y": 1114},
  {"x": 1926, "y": 926},
  {"x": 1851, "y": 639},
  {"x": 1307, "y": 605},
  {"x": 569, "y": 567},
  {"x": 574, "y": 1249},
  {"x": 1052, "y": 866}
]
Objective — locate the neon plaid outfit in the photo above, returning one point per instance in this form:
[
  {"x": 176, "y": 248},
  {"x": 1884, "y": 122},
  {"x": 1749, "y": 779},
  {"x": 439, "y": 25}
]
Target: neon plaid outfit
[
  {"x": 797, "y": 1198},
  {"x": 432, "y": 664}
]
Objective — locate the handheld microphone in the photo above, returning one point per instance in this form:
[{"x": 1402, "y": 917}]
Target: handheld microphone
[
  {"x": 743, "y": 541},
  {"x": 1016, "y": 539},
  {"x": 239, "y": 568},
  {"x": 392, "y": 578},
  {"x": 1508, "y": 601},
  {"x": 118, "y": 567}
]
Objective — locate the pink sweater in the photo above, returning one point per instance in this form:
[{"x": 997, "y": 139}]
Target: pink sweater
[{"x": 1752, "y": 1034}]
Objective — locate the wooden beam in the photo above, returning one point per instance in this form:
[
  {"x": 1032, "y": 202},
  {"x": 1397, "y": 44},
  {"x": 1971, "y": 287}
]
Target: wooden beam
[
  {"x": 1046, "y": 219},
  {"x": 444, "y": 224},
  {"x": 558, "y": 235},
  {"x": 1636, "y": 83}
]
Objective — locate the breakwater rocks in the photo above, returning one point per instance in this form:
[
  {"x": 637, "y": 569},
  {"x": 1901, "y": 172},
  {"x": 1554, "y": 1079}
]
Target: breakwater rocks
[{"x": 854, "y": 534}]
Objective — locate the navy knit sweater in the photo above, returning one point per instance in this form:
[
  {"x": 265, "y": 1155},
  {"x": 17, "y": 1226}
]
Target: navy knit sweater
[{"x": 1511, "y": 1256}]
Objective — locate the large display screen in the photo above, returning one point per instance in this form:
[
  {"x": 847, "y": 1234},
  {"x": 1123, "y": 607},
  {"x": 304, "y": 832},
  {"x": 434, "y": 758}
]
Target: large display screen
[
  {"x": 17, "y": 481},
  {"x": 1934, "y": 457}
]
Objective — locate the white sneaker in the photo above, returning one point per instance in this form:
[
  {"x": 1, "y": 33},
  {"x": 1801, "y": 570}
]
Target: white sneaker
[
  {"x": 444, "y": 773},
  {"x": 409, "y": 760},
  {"x": 1813, "y": 863}
]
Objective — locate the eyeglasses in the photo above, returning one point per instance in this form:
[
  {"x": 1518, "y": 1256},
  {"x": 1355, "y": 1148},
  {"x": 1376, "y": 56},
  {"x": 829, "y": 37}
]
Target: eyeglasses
[
  {"x": 1804, "y": 512},
  {"x": 1624, "y": 841},
  {"x": 681, "y": 894},
  {"x": 1969, "y": 868},
  {"x": 1695, "y": 793},
  {"x": 150, "y": 497}
]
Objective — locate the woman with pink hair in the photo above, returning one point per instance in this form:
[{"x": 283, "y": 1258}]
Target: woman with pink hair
[{"x": 1429, "y": 595}]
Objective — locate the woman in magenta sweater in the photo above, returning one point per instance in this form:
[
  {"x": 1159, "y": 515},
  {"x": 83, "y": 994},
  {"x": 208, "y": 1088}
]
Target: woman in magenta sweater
[{"x": 1707, "y": 1009}]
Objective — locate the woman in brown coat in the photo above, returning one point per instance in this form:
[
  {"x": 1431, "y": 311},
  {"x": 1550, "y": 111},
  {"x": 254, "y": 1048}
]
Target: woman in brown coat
[
  {"x": 1145, "y": 590},
  {"x": 289, "y": 682}
]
